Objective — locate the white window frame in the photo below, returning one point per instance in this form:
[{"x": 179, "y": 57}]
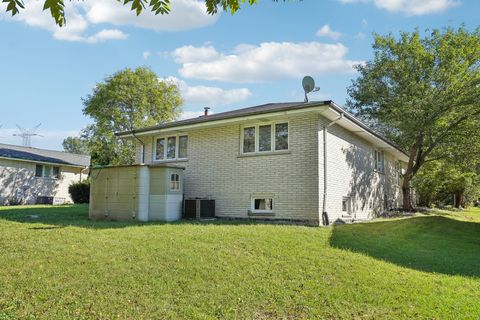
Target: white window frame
[
  {"x": 177, "y": 147},
  {"x": 376, "y": 162},
  {"x": 398, "y": 172},
  {"x": 259, "y": 197},
  {"x": 179, "y": 181},
  {"x": 52, "y": 176},
  {"x": 257, "y": 126}
]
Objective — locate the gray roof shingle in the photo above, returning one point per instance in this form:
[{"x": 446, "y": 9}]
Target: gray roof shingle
[
  {"x": 261, "y": 109},
  {"x": 42, "y": 155}
]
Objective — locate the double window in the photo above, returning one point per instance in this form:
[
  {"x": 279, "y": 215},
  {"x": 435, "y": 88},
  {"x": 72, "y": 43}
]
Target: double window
[
  {"x": 265, "y": 138},
  {"x": 379, "y": 164},
  {"x": 48, "y": 172},
  {"x": 171, "y": 148}
]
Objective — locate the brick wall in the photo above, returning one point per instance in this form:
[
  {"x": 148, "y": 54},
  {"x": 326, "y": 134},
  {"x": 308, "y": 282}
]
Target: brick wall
[{"x": 216, "y": 169}]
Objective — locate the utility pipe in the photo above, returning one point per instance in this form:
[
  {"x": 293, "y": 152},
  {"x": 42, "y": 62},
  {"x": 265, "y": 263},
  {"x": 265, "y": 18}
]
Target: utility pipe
[{"x": 324, "y": 206}]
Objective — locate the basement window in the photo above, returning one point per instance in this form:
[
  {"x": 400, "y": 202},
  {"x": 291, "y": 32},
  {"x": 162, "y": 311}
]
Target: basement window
[
  {"x": 346, "y": 205},
  {"x": 262, "y": 205}
]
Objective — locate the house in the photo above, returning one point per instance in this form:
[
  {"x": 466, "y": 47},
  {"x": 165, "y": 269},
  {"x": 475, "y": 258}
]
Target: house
[
  {"x": 306, "y": 162},
  {"x": 34, "y": 175}
]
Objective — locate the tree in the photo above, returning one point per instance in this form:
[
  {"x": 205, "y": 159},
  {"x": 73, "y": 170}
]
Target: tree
[
  {"x": 446, "y": 182},
  {"x": 57, "y": 7},
  {"x": 75, "y": 145},
  {"x": 128, "y": 99},
  {"x": 423, "y": 94}
]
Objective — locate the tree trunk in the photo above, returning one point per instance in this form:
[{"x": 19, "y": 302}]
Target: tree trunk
[
  {"x": 407, "y": 196},
  {"x": 458, "y": 199}
]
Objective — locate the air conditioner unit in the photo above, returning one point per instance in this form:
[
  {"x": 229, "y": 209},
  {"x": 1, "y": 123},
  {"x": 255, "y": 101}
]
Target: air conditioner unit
[{"x": 199, "y": 208}]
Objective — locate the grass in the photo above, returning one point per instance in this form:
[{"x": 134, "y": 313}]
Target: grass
[{"x": 56, "y": 264}]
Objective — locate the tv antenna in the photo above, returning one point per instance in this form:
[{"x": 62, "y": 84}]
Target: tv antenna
[
  {"x": 27, "y": 134},
  {"x": 309, "y": 86}
]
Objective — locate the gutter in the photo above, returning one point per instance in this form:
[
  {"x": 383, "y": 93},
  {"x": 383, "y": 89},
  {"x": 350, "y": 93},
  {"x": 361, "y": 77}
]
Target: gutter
[
  {"x": 142, "y": 146},
  {"x": 325, "y": 221}
]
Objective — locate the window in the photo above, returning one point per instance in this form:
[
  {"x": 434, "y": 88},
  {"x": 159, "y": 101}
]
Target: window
[
  {"x": 39, "y": 171},
  {"x": 49, "y": 172},
  {"x": 174, "y": 182},
  {"x": 398, "y": 172},
  {"x": 281, "y": 136},
  {"x": 379, "y": 161},
  {"x": 249, "y": 139},
  {"x": 160, "y": 152},
  {"x": 346, "y": 204},
  {"x": 262, "y": 205},
  {"x": 182, "y": 146},
  {"x": 171, "y": 148},
  {"x": 265, "y": 138},
  {"x": 56, "y": 172}
]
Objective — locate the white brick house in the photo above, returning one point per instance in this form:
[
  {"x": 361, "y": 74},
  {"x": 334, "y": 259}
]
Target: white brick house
[
  {"x": 270, "y": 162},
  {"x": 31, "y": 175}
]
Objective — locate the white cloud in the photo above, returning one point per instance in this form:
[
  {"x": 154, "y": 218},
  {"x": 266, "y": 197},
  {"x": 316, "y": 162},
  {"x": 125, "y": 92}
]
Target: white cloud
[
  {"x": 187, "y": 54},
  {"x": 107, "y": 34},
  {"x": 75, "y": 29},
  {"x": 209, "y": 96},
  {"x": 81, "y": 16},
  {"x": 411, "y": 7},
  {"x": 184, "y": 15},
  {"x": 146, "y": 54},
  {"x": 326, "y": 31},
  {"x": 266, "y": 62}
]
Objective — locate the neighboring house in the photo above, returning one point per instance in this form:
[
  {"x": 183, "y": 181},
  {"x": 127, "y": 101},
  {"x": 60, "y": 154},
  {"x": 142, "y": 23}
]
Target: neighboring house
[
  {"x": 292, "y": 161},
  {"x": 38, "y": 175}
]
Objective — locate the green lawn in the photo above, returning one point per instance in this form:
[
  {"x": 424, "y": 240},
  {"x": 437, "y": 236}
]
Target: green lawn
[{"x": 56, "y": 264}]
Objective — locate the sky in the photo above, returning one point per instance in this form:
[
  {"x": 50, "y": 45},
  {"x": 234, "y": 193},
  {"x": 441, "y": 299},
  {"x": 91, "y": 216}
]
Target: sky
[{"x": 258, "y": 55}]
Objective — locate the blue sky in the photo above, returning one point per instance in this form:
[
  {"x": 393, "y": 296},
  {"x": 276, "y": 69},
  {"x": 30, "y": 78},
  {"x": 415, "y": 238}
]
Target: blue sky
[{"x": 256, "y": 56}]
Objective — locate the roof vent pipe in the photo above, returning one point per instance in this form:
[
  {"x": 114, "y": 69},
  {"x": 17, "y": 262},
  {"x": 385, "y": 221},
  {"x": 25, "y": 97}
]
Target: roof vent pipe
[{"x": 205, "y": 113}]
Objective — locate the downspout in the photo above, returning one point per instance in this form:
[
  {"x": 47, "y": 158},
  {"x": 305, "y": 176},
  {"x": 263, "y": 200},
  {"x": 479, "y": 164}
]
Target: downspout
[
  {"x": 143, "y": 146},
  {"x": 325, "y": 187}
]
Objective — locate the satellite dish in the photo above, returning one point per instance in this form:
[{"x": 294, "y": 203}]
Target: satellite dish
[{"x": 309, "y": 86}]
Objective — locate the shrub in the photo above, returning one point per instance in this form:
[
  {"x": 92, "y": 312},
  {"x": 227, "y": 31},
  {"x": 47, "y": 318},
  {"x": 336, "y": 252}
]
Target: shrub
[
  {"x": 80, "y": 191},
  {"x": 14, "y": 201}
]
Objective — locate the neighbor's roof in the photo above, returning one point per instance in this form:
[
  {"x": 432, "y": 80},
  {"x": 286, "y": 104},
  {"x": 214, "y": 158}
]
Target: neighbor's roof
[
  {"x": 331, "y": 112},
  {"x": 42, "y": 155}
]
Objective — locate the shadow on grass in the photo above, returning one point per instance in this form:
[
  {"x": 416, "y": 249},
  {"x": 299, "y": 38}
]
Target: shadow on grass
[
  {"x": 77, "y": 216},
  {"x": 432, "y": 244}
]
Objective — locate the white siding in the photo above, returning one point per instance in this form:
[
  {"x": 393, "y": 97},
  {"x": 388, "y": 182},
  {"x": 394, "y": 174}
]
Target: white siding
[{"x": 17, "y": 179}]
